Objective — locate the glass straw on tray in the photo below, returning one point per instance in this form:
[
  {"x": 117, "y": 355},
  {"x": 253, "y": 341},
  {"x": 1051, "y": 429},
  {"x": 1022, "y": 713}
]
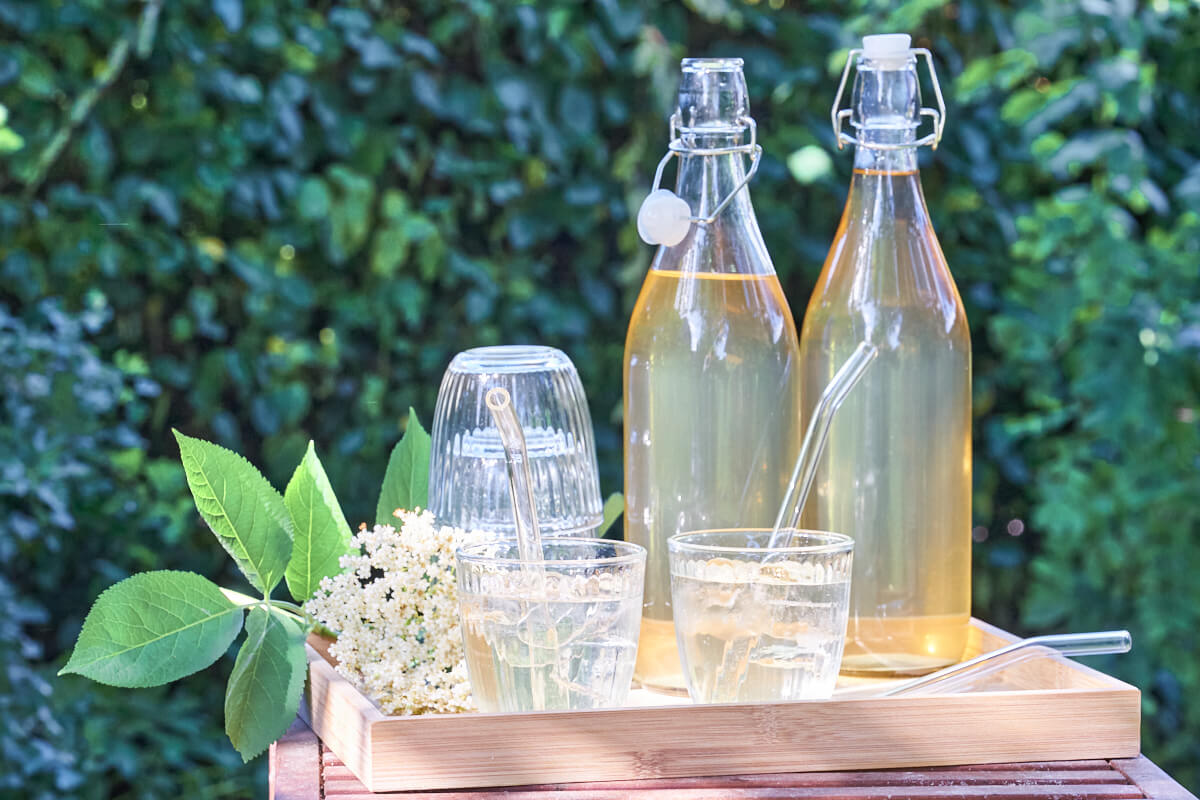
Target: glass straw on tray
[{"x": 962, "y": 675}]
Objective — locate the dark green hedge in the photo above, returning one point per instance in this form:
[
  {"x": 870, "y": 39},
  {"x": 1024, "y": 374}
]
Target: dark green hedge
[{"x": 269, "y": 221}]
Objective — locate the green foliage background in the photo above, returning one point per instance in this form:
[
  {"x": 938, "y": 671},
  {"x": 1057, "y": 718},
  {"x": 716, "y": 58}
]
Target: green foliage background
[{"x": 261, "y": 222}]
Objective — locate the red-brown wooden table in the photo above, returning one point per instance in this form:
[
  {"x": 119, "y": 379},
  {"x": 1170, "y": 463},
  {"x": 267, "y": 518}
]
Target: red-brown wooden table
[{"x": 302, "y": 768}]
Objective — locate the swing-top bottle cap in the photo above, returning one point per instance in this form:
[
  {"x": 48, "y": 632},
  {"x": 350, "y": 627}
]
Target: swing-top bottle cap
[
  {"x": 712, "y": 117},
  {"x": 887, "y": 50},
  {"x": 894, "y": 100},
  {"x": 664, "y": 218}
]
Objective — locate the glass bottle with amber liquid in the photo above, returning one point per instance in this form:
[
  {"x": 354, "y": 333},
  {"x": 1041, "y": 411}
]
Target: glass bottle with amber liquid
[
  {"x": 896, "y": 475},
  {"x": 711, "y": 378}
]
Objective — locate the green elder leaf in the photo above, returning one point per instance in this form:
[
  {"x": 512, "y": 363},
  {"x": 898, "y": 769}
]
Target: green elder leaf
[
  {"x": 406, "y": 482},
  {"x": 321, "y": 534},
  {"x": 263, "y": 693},
  {"x": 245, "y": 512},
  {"x": 614, "y": 507},
  {"x": 154, "y": 628}
]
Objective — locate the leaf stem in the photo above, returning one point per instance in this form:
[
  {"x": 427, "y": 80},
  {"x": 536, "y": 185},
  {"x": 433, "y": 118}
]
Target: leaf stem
[{"x": 291, "y": 609}]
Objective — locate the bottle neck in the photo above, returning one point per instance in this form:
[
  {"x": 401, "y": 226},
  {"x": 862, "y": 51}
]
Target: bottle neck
[
  {"x": 870, "y": 159},
  {"x": 886, "y": 218},
  {"x": 704, "y": 181},
  {"x": 732, "y": 243},
  {"x": 886, "y": 105},
  {"x": 886, "y": 202},
  {"x": 712, "y": 114}
]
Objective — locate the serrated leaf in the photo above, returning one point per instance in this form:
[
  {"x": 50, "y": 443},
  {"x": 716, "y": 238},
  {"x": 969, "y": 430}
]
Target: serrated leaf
[
  {"x": 263, "y": 693},
  {"x": 406, "y": 482},
  {"x": 614, "y": 507},
  {"x": 245, "y": 512},
  {"x": 154, "y": 628},
  {"x": 320, "y": 533}
]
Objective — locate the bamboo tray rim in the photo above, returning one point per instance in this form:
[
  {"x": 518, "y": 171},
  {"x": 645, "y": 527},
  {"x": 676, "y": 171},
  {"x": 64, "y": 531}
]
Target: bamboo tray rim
[
  {"x": 319, "y": 659},
  {"x": 1046, "y": 710}
]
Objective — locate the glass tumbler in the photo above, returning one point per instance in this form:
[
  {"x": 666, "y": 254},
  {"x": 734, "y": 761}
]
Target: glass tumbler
[
  {"x": 759, "y": 624},
  {"x": 555, "y": 634},
  {"x": 468, "y": 480}
]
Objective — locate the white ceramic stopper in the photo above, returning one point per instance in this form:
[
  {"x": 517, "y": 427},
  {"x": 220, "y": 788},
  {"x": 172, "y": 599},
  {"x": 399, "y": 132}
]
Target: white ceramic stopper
[
  {"x": 887, "y": 50},
  {"x": 664, "y": 218}
]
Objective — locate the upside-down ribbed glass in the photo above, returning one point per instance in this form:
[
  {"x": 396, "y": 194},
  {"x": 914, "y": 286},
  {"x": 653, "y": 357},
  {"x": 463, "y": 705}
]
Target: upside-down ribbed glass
[{"x": 468, "y": 482}]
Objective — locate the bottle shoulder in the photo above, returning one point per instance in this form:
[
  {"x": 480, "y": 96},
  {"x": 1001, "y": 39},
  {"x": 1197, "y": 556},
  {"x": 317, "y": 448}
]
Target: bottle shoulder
[
  {"x": 885, "y": 266},
  {"x": 725, "y": 311},
  {"x": 732, "y": 245},
  {"x": 883, "y": 292}
]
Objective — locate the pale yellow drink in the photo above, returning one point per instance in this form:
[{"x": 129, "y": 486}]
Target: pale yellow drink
[
  {"x": 711, "y": 372},
  {"x": 549, "y": 635},
  {"x": 577, "y": 654},
  {"x": 756, "y": 625},
  {"x": 896, "y": 475},
  {"x": 711, "y": 409}
]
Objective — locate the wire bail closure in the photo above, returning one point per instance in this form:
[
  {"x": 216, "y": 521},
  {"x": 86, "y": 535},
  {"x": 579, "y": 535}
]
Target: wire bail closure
[
  {"x": 838, "y": 115},
  {"x": 677, "y": 148}
]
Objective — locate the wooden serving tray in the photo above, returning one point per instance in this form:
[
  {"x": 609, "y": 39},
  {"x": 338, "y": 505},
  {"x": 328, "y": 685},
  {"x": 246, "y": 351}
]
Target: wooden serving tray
[{"x": 1051, "y": 709}]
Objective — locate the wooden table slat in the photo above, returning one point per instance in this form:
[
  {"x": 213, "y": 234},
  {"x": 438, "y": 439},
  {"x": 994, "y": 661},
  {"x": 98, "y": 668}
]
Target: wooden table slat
[
  {"x": 1157, "y": 784},
  {"x": 1027, "y": 766},
  {"x": 295, "y": 768},
  {"x": 302, "y": 768},
  {"x": 1076, "y": 792},
  {"x": 339, "y": 772}
]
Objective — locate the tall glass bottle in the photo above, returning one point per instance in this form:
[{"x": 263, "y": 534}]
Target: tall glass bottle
[
  {"x": 896, "y": 475},
  {"x": 711, "y": 377}
]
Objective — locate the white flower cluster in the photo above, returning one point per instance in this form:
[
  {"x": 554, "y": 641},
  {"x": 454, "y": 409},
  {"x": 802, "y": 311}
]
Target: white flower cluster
[{"x": 395, "y": 608}]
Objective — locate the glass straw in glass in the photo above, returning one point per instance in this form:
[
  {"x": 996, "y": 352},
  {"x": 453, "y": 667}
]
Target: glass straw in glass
[
  {"x": 539, "y": 625},
  {"x": 520, "y": 481},
  {"x": 814, "y": 441}
]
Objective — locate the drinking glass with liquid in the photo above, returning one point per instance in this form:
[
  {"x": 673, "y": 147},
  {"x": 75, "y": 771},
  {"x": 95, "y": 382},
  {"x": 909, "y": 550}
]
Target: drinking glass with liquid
[
  {"x": 760, "y": 624},
  {"x": 551, "y": 635},
  {"x": 711, "y": 377}
]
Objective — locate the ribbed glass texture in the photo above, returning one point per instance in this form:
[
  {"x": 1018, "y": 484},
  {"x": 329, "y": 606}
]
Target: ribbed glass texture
[{"x": 468, "y": 482}]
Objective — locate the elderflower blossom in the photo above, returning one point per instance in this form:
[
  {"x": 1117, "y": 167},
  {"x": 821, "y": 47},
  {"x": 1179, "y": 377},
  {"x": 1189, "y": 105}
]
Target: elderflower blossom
[{"x": 395, "y": 608}]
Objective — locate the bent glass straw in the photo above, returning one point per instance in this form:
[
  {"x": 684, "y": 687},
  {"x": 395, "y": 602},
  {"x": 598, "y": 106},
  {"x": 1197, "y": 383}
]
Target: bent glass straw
[
  {"x": 1067, "y": 644},
  {"x": 814, "y": 441},
  {"x": 539, "y": 624},
  {"x": 520, "y": 482}
]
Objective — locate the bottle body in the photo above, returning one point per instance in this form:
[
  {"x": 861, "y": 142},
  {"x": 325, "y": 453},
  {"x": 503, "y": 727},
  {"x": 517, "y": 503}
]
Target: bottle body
[
  {"x": 711, "y": 409},
  {"x": 711, "y": 373},
  {"x": 896, "y": 475}
]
